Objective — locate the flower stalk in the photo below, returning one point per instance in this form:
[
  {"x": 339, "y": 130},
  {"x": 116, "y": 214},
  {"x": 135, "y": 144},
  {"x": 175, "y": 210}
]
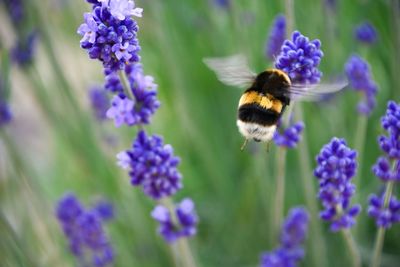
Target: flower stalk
[
  {"x": 279, "y": 189},
  {"x": 380, "y": 236}
]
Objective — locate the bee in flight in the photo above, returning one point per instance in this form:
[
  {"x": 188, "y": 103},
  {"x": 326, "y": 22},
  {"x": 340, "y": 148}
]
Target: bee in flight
[{"x": 267, "y": 95}]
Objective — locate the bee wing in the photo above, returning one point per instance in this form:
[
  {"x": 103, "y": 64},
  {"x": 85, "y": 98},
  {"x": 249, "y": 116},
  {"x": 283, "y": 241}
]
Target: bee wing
[
  {"x": 314, "y": 92},
  {"x": 232, "y": 70}
]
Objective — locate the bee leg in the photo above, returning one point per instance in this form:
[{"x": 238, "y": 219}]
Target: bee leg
[
  {"x": 244, "y": 144},
  {"x": 268, "y": 145}
]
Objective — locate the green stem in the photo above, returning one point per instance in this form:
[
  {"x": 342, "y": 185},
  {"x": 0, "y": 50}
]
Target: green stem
[
  {"x": 359, "y": 141},
  {"x": 376, "y": 258},
  {"x": 125, "y": 84},
  {"x": 353, "y": 250},
  {"x": 280, "y": 189},
  {"x": 183, "y": 253},
  {"x": 289, "y": 10},
  {"x": 395, "y": 8},
  {"x": 317, "y": 241}
]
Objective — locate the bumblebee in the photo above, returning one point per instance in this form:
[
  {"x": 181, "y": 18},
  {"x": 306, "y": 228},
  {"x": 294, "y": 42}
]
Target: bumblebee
[{"x": 267, "y": 95}]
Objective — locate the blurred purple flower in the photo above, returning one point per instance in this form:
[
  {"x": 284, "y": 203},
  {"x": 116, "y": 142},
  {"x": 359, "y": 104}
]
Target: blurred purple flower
[
  {"x": 16, "y": 10},
  {"x": 359, "y": 74},
  {"x": 185, "y": 224},
  {"x": 300, "y": 58},
  {"x": 104, "y": 209},
  {"x": 222, "y": 3},
  {"x": 23, "y": 51},
  {"x": 276, "y": 37},
  {"x": 293, "y": 234},
  {"x": 365, "y": 33},
  {"x": 5, "y": 113},
  {"x": 290, "y": 137},
  {"x": 99, "y": 102},
  {"x": 152, "y": 166},
  {"x": 84, "y": 231},
  {"x": 336, "y": 167}
]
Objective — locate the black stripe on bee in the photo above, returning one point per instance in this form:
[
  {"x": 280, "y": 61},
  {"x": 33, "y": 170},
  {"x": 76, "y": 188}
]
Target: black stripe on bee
[{"x": 254, "y": 113}]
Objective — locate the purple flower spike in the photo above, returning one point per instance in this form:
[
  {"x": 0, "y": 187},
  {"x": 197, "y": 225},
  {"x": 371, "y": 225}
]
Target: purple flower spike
[
  {"x": 336, "y": 167},
  {"x": 110, "y": 34},
  {"x": 359, "y": 74},
  {"x": 290, "y": 137},
  {"x": 384, "y": 217},
  {"x": 300, "y": 59},
  {"x": 152, "y": 166},
  {"x": 145, "y": 93},
  {"x": 186, "y": 220},
  {"x": 83, "y": 228},
  {"x": 293, "y": 234},
  {"x": 387, "y": 168},
  {"x": 365, "y": 33},
  {"x": 144, "y": 104},
  {"x": 390, "y": 144},
  {"x": 276, "y": 37}
]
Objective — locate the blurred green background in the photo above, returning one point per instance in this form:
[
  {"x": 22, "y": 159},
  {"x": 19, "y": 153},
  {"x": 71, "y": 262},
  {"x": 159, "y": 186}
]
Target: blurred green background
[{"x": 54, "y": 144}]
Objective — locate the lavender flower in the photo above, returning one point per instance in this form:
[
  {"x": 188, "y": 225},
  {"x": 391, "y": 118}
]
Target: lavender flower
[
  {"x": 5, "y": 113},
  {"x": 110, "y": 34},
  {"x": 336, "y": 167},
  {"x": 387, "y": 169},
  {"x": 290, "y": 137},
  {"x": 99, "y": 102},
  {"x": 222, "y": 3},
  {"x": 113, "y": 83},
  {"x": 359, "y": 75},
  {"x": 300, "y": 58},
  {"x": 365, "y": 33},
  {"x": 84, "y": 231},
  {"x": 181, "y": 224},
  {"x": 104, "y": 209},
  {"x": 138, "y": 110},
  {"x": 293, "y": 234},
  {"x": 121, "y": 110},
  {"x": 152, "y": 165},
  {"x": 22, "y": 53},
  {"x": 16, "y": 10},
  {"x": 384, "y": 216},
  {"x": 121, "y": 9},
  {"x": 276, "y": 37},
  {"x": 390, "y": 144}
]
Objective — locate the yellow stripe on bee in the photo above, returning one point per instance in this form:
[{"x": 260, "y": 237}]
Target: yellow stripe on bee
[
  {"x": 255, "y": 97},
  {"x": 277, "y": 105},
  {"x": 267, "y": 102}
]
